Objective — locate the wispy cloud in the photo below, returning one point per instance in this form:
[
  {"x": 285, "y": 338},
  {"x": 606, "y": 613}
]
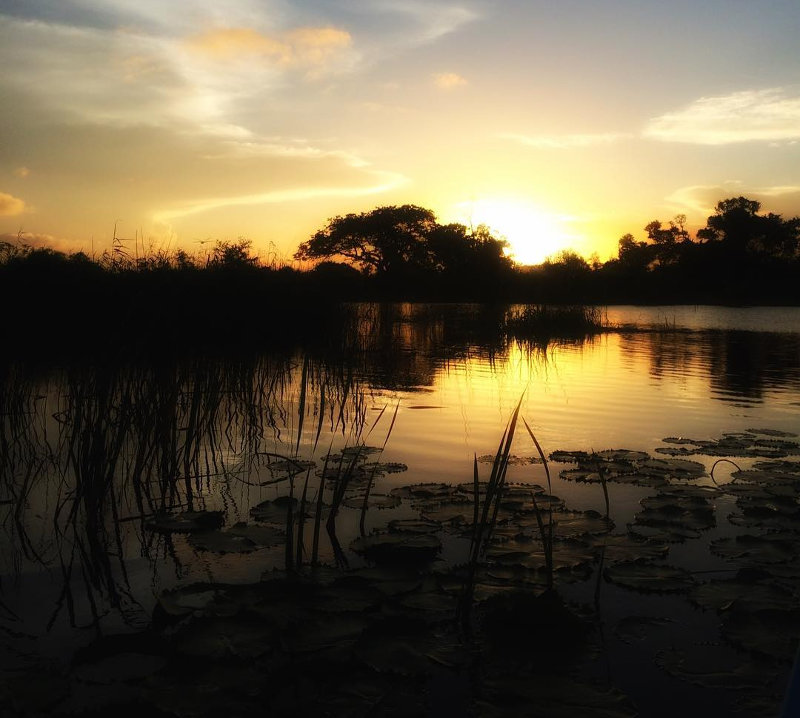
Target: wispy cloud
[
  {"x": 701, "y": 199},
  {"x": 560, "y": 142},
  {"x": 287, "y": 147},
  {"x": 747, "y": 116},
  {"x": 430, "y": 20},
  {"x": 308, "y": 47},
  {"x": 22, "y": 172},
  {"x": 11, "y": 206},
  {"x": 448, "y": 80},
  {"x": 385, "y": 181}
]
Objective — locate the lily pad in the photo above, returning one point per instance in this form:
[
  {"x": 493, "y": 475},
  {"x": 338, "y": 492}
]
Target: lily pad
[
  {"x": 624, "y": 548},
  {"x": 765, "y": 477},
  {"x": 673, "y": 468},
  {"x": 375, "y": 501},
  {"x": 398, "y": 548},
  {"x": 679, "y": 508},
  {"x": 693, "y": 667},
  {"x": 769, "y": 548},
  {"x": 626, "y": 455},
  {"x": 513, "y": 460},
  {"x": 677, "y": 451},
  {"x": 574, "y": 524},
  {"x": 772, "y": 432},
  {"x": 187, "y": 521},
  {"x": 425, "y": 491},
  {"x": 275, "y": 511},
  {"x": 569, "y": 457},
  {"x": 772, "y": 633},
  {"x": 649, "y": 577},
  {"x": 418, "y": 526},
  {"x": 739, "y": 595}
]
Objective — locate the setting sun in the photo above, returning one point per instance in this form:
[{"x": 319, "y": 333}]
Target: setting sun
[{"x": 532, "y": 233}]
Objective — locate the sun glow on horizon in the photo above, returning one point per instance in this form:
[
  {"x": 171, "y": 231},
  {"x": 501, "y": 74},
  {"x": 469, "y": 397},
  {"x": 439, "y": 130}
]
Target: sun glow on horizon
[{"x": 533, "y": 234}]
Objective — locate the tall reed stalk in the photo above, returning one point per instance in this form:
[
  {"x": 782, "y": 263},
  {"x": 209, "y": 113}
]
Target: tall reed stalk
[{"x": 485, "y": 516}]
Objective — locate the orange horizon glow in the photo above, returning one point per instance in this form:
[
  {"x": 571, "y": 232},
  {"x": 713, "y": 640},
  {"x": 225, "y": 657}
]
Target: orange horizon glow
[{"x": 201, "y": 123}]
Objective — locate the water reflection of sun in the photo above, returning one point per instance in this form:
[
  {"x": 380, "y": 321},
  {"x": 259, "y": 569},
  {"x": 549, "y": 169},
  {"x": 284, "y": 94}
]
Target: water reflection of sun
[{"x": 532, "y": 233}]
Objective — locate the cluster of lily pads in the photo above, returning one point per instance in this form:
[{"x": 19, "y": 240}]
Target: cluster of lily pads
[{"x": 383, "y": 638}]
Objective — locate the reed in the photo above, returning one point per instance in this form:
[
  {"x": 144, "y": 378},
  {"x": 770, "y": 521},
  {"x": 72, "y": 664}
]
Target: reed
[
  {"x": 485, "y": 516},
  {"x": 545, "y": 535}
]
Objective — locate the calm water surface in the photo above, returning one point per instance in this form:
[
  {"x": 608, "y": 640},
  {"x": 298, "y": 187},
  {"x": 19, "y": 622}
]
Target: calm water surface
[
  {"x": 89, "y": 455},
  {"x": 711, "y": 373}
]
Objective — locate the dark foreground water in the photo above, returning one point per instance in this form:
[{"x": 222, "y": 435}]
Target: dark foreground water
[{"x": 124, "y": 486}]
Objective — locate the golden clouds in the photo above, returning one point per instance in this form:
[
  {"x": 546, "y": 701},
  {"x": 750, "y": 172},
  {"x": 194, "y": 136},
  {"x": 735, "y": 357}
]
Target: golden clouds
[
  {"x": 307, "y": 47},
  {"x": 750, "y": 115},
  {"x": 10, "y": 206},
  {"x": 448, "y": 80}
]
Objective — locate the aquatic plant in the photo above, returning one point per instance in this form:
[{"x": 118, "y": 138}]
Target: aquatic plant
[
  {"x": 485, "y": 516},
  {"x": 542, "y": 321}
]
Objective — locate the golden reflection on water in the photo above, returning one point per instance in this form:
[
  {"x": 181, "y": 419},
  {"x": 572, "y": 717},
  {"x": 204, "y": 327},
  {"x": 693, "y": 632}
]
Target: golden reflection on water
[{"x": 616, "y": 391}]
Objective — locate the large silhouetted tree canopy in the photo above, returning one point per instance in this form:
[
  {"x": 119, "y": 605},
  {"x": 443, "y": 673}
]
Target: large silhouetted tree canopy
[
  {"x": 394, "y": 239},
  {"x": 737, "y": 224}
]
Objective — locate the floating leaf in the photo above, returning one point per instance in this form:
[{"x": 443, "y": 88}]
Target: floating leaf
[
  {"x": 739, "y": 595},
  {"x": 569, "y": 457},
  {"x": 673, "y": 468},
  {"x": 649, "y": 577},
  {"x": 221, "y": 542},
  {"x": 677, "y": 508},
  {"x": 187, "y": 521},
  {"x": 772, "y": 432},
  {"x": 512, "y": 460},
  {"x": 623, "y": 455},
  {"x": 425, "y": 491},
  {"x": 275, "y": 511},
  {"x": 398, "y": 547},
  {"x": 418, "y": 526},
  {"x": 676, "y": 451},
  {"x": 770, "y": 548},
  {"x": 626, "y": 548},
  {"x": 681, "y": 440},
  {"x": 375, "y": 501},
  {"x": 772, "y": 633},
  {"x": 693, "y": 667}
]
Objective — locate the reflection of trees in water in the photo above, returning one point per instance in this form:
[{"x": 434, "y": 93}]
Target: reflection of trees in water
[
  {"x": 403, "y": 346},
  {"x": 738, "y": 364},
  {"x": 89, "y": 455}
]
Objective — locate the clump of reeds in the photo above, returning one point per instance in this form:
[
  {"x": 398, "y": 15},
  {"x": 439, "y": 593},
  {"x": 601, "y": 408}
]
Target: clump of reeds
[
  {"x": 537, "y": 321},
  {"x": 485, "y": 515}
]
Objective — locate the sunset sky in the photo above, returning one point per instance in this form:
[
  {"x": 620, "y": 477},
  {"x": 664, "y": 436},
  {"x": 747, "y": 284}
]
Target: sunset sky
[{"x": 560, "y": 124}]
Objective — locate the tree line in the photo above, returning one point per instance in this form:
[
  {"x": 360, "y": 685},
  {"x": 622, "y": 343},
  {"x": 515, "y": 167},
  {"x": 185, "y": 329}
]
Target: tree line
[{"x": 741, "y": 255}]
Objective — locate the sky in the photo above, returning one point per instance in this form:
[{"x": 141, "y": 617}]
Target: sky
[{"x": 561, "y": 125}]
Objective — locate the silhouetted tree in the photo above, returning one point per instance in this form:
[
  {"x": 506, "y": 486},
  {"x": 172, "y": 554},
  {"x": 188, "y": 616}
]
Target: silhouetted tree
[
  {"x": 379, "y": 241},
  {"x": 233, "y": 255},
  {"x": 453, "y": 248},
  {"x": 737, "y": 224},
  {"x": 634, "y": 255},
  {"x": 408, "y": 247}
]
